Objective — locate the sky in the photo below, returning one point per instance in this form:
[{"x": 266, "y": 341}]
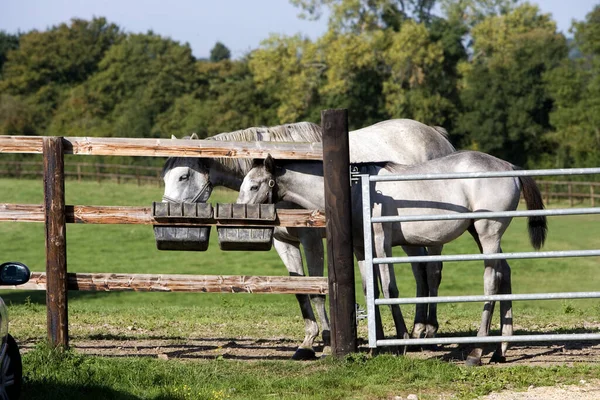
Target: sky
[{"x": 239, "y": 24}]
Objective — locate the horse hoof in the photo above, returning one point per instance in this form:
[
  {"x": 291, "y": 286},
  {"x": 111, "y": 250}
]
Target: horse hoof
[
  {"x": 497, "y": 359},
  {"x": 304, "y": 355},
  {"x": 473, "y": 361}
]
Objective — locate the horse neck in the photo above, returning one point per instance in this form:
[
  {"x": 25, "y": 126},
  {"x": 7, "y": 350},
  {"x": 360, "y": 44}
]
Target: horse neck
[
  {"x": 300, "y": 187},
  {"x": 222, "y": 176}
]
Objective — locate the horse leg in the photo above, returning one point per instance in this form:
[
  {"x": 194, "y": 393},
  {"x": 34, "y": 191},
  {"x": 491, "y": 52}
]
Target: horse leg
[
  {"x": 506, "y": 320},
  {"x": 292, "y": 258},
  {"x": 488, "y": 243},
  {"x": 382, "y": 238},
  {"x": 312, "y": 243},
  {"x": 434, "y": 279},
  {"x": 420, "y": 274}
]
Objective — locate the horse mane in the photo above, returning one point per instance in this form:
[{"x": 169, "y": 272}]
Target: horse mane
[
  {"x": 296, "y": 132},
  {"x": 441, "y": 131}
]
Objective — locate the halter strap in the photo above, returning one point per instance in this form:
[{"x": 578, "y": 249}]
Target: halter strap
[
  {"x": 272, "y": 196},
  {"x": 204, "y": 188}
]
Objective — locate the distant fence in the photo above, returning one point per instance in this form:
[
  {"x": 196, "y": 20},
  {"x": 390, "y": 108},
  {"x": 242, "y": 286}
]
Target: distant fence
[
  {"x": 86, "y": 171},
  {"x": 574, "y": 192}
]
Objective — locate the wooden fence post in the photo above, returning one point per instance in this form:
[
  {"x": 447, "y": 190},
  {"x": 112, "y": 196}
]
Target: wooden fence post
[
  {"x": 56, "y": 241},
  {"x": 570, "y": 186},
  {"x": 340, "y": 259}
]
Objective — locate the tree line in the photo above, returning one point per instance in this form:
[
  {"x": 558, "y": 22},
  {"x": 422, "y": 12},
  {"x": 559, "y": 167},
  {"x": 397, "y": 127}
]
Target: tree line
[{"x": 495, "y": 73}]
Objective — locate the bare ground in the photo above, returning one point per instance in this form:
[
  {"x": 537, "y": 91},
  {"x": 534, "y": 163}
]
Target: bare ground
[{"x": 533, "y": 354}]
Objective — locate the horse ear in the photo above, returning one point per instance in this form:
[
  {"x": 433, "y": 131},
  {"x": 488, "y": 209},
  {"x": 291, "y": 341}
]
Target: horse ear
[
  {"x": 173, "y": 137},
  {"x": 257, "y": 162},
  {"x": 194, "y": 136},
  {"x": 270, "y": 164}
]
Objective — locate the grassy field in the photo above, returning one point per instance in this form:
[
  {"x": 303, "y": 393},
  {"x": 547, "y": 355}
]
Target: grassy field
[{"x": 178, "y": 316}]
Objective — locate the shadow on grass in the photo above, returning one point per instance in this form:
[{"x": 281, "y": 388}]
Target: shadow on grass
[
  {"x": 39, "y": 296},
  {"x": 62, "y": 391},
  {"x": 281, "y": 349},
  {"x": 531, "y": 353},
  {"x": 242, "y": 349}
]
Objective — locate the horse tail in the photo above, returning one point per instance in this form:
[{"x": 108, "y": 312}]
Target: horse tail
[{"x": 538, "y": 226}]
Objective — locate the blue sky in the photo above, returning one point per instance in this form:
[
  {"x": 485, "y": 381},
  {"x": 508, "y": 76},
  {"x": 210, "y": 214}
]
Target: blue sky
[{"x": 239, "y": 24}]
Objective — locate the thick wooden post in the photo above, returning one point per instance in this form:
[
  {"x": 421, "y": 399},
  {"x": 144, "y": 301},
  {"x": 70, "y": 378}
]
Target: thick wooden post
[
  {"x": 340, "y": 260},
  {"x": 56, "y": 241}
]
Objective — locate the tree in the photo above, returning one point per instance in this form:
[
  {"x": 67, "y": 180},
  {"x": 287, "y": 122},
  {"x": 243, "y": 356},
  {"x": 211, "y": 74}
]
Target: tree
[
  {"x": 575, "y": 87},
  {"x": 47, "y": 64},
  {"x": 472, "y": 12},
  {"x": 219, "y": 53},
  {"x": 504, "y": 94},
  {"x": 422, "y": 73},
  {"x": 7, "y": 42},
  {"x": 353, "y": 16},
  {"x": 138, "y": 79},
  {"x": 64, "y": 55},
  {"x": 289, "y": 69},
  {"x": 226, "y": 99}
]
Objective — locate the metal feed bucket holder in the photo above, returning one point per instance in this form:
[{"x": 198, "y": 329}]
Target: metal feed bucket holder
[
  {"x": 181, "y": 237},
  {"x": 245, "y": 238}
]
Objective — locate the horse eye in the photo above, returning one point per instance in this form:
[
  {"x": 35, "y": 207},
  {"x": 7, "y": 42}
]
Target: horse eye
[
  {"x": 254, "y": 188},
  {"x": 184, "y": 177}
]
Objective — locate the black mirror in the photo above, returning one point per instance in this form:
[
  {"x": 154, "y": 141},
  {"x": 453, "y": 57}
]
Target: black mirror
[{"x": 14, "y": 273}]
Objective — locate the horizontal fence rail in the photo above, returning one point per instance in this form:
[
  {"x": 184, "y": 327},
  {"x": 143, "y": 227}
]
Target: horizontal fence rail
[
  {"x": 166, "y": 147},
  {"x": 493, "y": 256},
  {"x": 110, "y": 282},
  {"x": 143, "y": 216},
  {"x": 497, "y": 174},
  {"x": 485, "y": 214},
  {"x": 550, "y": 337},
  {"x": 494, "y": 297}
]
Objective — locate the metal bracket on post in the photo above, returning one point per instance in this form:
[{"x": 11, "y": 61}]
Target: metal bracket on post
[{"x": 354, "y": 175}]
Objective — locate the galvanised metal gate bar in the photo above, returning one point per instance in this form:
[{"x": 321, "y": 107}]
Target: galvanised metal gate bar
[{"x": 370, "y": 261}]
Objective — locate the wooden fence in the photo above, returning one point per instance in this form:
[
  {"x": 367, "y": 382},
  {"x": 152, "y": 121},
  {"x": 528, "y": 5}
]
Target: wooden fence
[
  {"x": 334, "y": 152},
  {"x": 574, "y": 192}
]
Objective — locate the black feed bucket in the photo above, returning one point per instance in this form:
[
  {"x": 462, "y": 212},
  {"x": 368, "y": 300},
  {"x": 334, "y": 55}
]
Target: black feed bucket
[
  {"x": 181, "y": 237},
  {"x": 244, "y": 238}
]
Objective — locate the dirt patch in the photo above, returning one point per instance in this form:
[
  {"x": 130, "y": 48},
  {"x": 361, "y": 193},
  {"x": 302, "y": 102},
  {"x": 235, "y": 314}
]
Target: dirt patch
[
  {"x": 584, "y": 391},
  {"x": 534, "y": 354}
]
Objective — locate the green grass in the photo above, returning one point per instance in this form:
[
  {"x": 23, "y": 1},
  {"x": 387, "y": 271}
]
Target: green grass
[
  {"x": 132, "y": 249},
  {"x": 59, "y": 375}
]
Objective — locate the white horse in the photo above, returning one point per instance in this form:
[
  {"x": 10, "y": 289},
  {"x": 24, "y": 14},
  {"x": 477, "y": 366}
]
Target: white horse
[
  {"x": 402, "y": 141},
  {"x": 295, "y": 181}
]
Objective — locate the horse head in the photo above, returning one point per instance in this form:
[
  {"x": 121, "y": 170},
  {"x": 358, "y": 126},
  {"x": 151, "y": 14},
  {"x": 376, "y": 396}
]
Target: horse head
[
  {"x": 186, "y": 179},
  {"x": 258, "y": 186}
]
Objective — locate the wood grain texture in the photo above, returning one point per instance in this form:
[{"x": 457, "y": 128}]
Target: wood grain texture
[
  {"x": 56, "y": 242},
  {"x": 166, "y": 147},
  {"x": 143, "y": 216},
  {"x": 108, "y": 282},
  {"x": 340, "y": 259}
]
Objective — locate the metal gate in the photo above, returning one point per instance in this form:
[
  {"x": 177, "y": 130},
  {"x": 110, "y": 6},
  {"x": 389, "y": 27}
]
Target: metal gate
[{"x": 370, "y": 261}]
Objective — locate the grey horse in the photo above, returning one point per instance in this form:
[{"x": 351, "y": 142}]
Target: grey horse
[
  {"x": 293, "y": 180},
  {"x": 401, "y": 140}
]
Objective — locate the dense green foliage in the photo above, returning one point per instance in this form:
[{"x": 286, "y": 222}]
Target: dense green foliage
[{"x": 495, "y": 73}]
